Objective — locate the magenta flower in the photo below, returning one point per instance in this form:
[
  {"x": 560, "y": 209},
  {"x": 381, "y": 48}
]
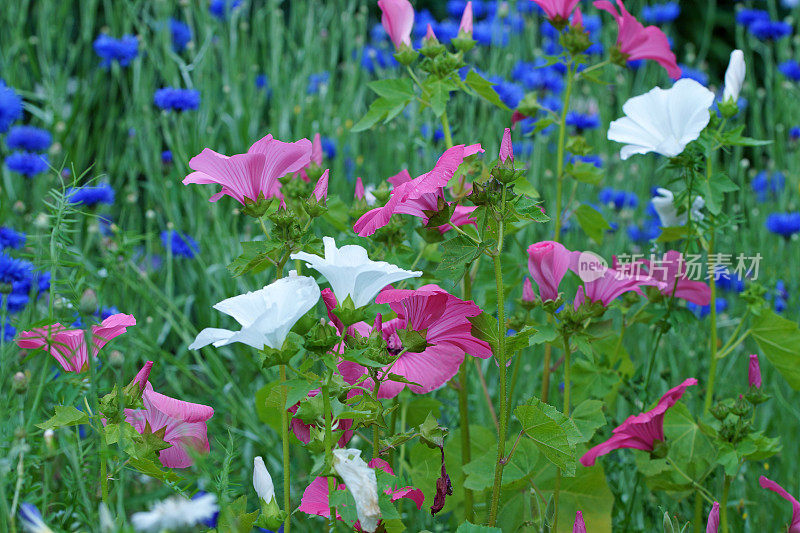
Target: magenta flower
[
  {"x": 443, "y": 319},
  {"x": 321, "y": 188},
  {"x": 604, "y": 285},
  {"x": 397, "y": 20},
  {"x": 766, "y": 483},
  {"x": 316, "y": 150},
  {"x": 184, "y": 423},
  {"x": 754, "y": 372},
  {"x": 506, "y": 148},
  {"x": 548, "y": 262},
  {"x": 359, "y": 193},
  {"x": 713, "y": 519},
  {"x": 413, "y": 197},
  {"x": 251, "y": 175},
  {"x": 466, "y": 20},
  {"x": 68, "y": 346},
  {"x": 302, "y": 430},
  {"x": 557, "y": 10},
  {"x": 672, "y": 267},
  {"x": 579, "y": 526},
  {"x": 527, "y": 291},
  {"x": 638, "y": 42},
  {"x": 143, "y": 375},
  {"x": 640, "y": 432}
]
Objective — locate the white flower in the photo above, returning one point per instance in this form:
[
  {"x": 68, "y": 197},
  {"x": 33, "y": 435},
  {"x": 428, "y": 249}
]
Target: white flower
[
  {"x": 262, "y": 481},
  {"x": 734, "y": 76},
  {"x": 668, "y": 213},
  {"x": 176, "y": 514},
  {"x": 663, "y": 121},
  {"x": 266, "y": 315},
  {"x": 361, "y": 482},
  {"x": 351, "y": 273}
]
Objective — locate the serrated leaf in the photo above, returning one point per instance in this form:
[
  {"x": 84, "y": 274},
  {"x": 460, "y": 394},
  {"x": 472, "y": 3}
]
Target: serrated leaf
[
  {"x": 485, "y": 89},
  {"x": 527, "y": 207},
  {"x": 592, "y": 222},
  {"x": 395, "y": 89},
  {"x": 779, "y": 339},
  {"x": 520, "y": 340},
  {"x": 381, "y": 108},
  {"x": 588, "y": 417},
  {"x": 65, "y": 415},
  {"x": 552, "y": 432},
  {"x": 484, "y": 327},
  {"x": 298, "y": 389},
  {"x": 585, "y": 172},
  {"x": 457, "y": 253},
  {"x": 254, "y": 258}
]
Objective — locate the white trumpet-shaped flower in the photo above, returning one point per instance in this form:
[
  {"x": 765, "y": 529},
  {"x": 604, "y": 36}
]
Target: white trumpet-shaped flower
[
  {"x": 266, "y": 315},
  {"x": 734, "y": 76},
  {"x": 262, "y": 481},
  {"x": 360, "y": 480},
  {"x": 664, "y": 204},
  {"x": 663, "y": 120},
  {"x": 176, "y": 514},
  {"x": 352, "y": 273}
]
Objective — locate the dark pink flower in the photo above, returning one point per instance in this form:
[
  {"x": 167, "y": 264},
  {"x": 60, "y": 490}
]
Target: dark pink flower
[
  {"x": 185, "y": 424},
  {"x": 397, "y": 20},
  {"x": 321, "y": 188},
  {"x": 579, "y": 526},
  {"x": 754, "y": 372},
  {"x": 638, "y": 42},
  {"x": 766, "y": 483},
  {"x": 602, "y": 284},
  {"x": 506, "y": 148},
  {"x": 713, "y": 519},
  {"x": 527, "y": 291},
  {"x": 466, "y": 20},
  {"x": 143, "y": 375},
  {"x": 315, "y": 498},
  {"x": 359, "y": 193},
  {"x": 557, "y": 10},
  {"x": 444, "y": 321},
  {"x": 672, "y": 267},
  {"x": 640, "y": 432},
  {"x": 548, "y": 262},
  {"x": 414, "y": 196},
  {"x": 302, "y": 430},
  {"x": 68, "y": 346},
  {"x": 577, "y": 18},
  {"x": 253, "y": 174}
]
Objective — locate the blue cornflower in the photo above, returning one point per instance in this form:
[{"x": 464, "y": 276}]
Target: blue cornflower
[
  {"x": 328, "y": 147},
  {"x": 693, "y": 74},
  {"x": 173, "y": 99},
  {"x": 14, "y": 270},
  {"x": 30, "y": 518},
  {"x": 26, "y": 163},
  {"x": 703, "y": 311},
  {"x": 794, "y": 133},
  {"x": 166, "y": 157},
  {"x": 10, "y": 238},
  {"x": 618, "y": 199},
  {"x": 421, "y": 20},
  {"x": 317, "y": 81},
  {"x": 91, "y": 196},
  {"x": 790, "y": 69},
  {"x": 538, "y": 76},
  {"x": 29, "y": 138},
  {"x": 661, "y": 13},
  {"x": 9, "y": 332},
  {"x": 377, "y": 34},
  {"x": 522, "y": 149},
  {"x": 438, "y": 133},
  {"x": 510, "y": 93},
  {"x": 180, "y": 244},
  {"x": 181, "y": 34},
  {"x": 446, "y": 30},
  {"x": 765, "y": 185},
  {"x": 747, "y": 17},
  {"x": 595, "y": 160},
  {"x": 784, "y": 224},
  {"x": 10, "y": 107},
  {"x": 122, "y": 50},
  {"x": 727, "y": 280},
  {"x": 491, "y": 33},
  {"x": 770, "y": 30},
  {"x": 646, "y": 232},
  {"x": 582, "y": 121},
  {"x": 373, "y": 57},
  {"x": 221, "y": 9}
]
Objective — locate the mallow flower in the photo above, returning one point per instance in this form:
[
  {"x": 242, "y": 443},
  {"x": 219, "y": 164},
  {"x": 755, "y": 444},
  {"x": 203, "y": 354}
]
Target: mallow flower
[
  {"x": 548, "y": 263},
  {"x": 398, "y": 20},
  {"x": 579, "y": 526},
  {"x": 266, "y": 315},
  {"x": 767, "y": 483},
  {"x": 664, "y": 204},
  {"x": 362, "y": 483},
  {"x": 663, "y": 120},
  {"x": 557, "y": 11},
  {"x": 734, "y": 76},
  {"x": 176, "y": 513},
  {"x": 262, "y": 481},
  {"x": 641, "y": 432},
  {"x": 671, "y": 271},
  {"x": 712, "y": 526},
  {"x": 754, "y": 372},
  {"x": 352, "y": 273}
]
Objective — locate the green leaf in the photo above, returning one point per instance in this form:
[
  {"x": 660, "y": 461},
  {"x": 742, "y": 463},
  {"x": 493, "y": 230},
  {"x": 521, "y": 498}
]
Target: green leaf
[
  {"x": 673, "y": 233},
  {"x": 439, "y": 91},
  {"x": 485, "y": 89},
  {"x": 268, "y": 404},
  {"x": 545, "y": 333},
  {"x": 527, "y": 207},
  {"x": 457, "y": 254},
  {"x": 65, "y": 415},
  {"x": 419, "y": 408},
  {"x": 254, "y": 258},
  {"x": 734, "y": 137},
  {"x": 552, "y": 432},
  {"x": 150, "y": 468},
  {"x": 468, "y": 527},
  {"x": 587, "y": 492},
  {"x": 779, "y": 339},
  {"x": 716, "y": 188},
  {"x": 585, "y": 172},
  {"x": 235, "y": 518},
  {"x": 396, "y": 89},
  {"x": 592, "y": 222},
  {"x": 588, "y": 417},
  {"x": 520, "y": 340},
  {"x": 380, "y": 109},
  {"x": 484, "y": 327}
]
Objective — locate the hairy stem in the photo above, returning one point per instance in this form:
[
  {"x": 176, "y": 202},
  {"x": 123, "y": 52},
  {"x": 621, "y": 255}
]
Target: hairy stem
[
  {"x": 502, "y": 419},
  {"x": 463, "y": 408}
]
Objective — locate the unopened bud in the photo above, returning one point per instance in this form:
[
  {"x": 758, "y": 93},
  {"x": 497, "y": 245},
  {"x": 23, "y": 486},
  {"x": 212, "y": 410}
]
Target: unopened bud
[
  {"x": 116, "y": 359},
  {"x": 88, "y": 303},
  {"x": 49, "y": 439},
  {"x": 20, "y": 383}
]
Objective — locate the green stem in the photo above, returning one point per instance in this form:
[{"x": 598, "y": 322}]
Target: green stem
[
  {"x": 562, "y": 133},
  {"x": 723, "y": 505},
  {"x": 502, "y": 419},
  {"x": 287, "y": 498},
  {"x": 567, "y": 375},
  {"x": 463, "y": 408},
  {"x": 712, "y": 370},
  {"x": 448, "y": 138},
  {"x": 326, "y": 408},
  {"x": 376, "y": 430}
]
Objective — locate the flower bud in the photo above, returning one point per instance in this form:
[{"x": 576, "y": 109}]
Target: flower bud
[
  {"x": 20, "y": 383},
  {"x": 116, "y": 359},
  {"x": 754, "y": 372},
  {"x": 88, "y": 303}
]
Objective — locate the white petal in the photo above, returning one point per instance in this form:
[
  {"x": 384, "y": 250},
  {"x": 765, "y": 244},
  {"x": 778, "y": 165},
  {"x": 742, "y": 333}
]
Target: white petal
[
  {"x": 734, "y": 76},
  {"x": 210, "y": 335},
  {"x": 363, "y": 485},
  {"x": 262, "y": 481}
]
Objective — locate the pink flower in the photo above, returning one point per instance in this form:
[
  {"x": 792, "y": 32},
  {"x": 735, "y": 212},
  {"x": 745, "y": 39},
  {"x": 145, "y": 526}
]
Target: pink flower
[
  {"x": 143, "y": 375},
  {"x": 185, "y": 424},
  {"x": 754, "y": 372},
  {"x": 638, "y": 42},
  {"x": 466, "y": 20},
  {"x": 527, "y": 291},
  {"x": 672, "y": 267},
  {"x": 302, "y": 430},
  {"x": 251, "y": 175},
  {"x": 444, "y": 321},
  {"x": 713, "y": 519},
  {"x": 397, "y": 20},
  {"x": 68, "y": 346},
  {"x": 766, "y": 483},
  {"x": 506, "y": 148},
  {"x": 577, "y": 18},
  {"x": 429, "y": 35},
  {"x": 579, "y": 526},
  {"x": 548, "y": 262},
  {"x": 316, "y": 150},
  {"x": 321, "y": 188},
  {"x": 413, "y": 197},
  {"x": 557, "y": 10},
  {"x": 315, "y": 497},
  {"x": 642, "y": 431},
  {"x": 359, "y": 194},
  {"x": 602, "y": 284}
]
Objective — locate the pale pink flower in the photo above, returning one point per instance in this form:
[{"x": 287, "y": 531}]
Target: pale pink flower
[
  {"x": 766, "y": 483},
  {"x": 253, "y": 174},
  {"x": 506, "y": 148},
  {"x": 579, "y": 526},
  {"x": 359, "y": 194},
  {"x": 754, "y": 372},
  {"x": 466, "y": 20},
  {"x": 68, "y": 346},
  {"x": 602, "y": 284},
  {"x": 548, "y": 262},
  {"x": 412, "y": 197},
  {"x": 429, "y": 35},
  {"x": 444, "y": 320},
  {"x": 321, "y": 188},
  {"x": 185, "y": 424},
  {"x": 672, "y": 267},
  {"x": 302, "y": 430},
  {"x": 577, "y": 18},
  {"x": 397, "y": 20},
  {"x": 316, "y": 150},
  {"x": 557, "y": 9},
  {"x": 713, "y": 519},
  {"x": 638, "y": 42},
  {"x": 315, "y": 498},
  {"x": 640, "y": 432},
  {"x": 527, "y": 291}
]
